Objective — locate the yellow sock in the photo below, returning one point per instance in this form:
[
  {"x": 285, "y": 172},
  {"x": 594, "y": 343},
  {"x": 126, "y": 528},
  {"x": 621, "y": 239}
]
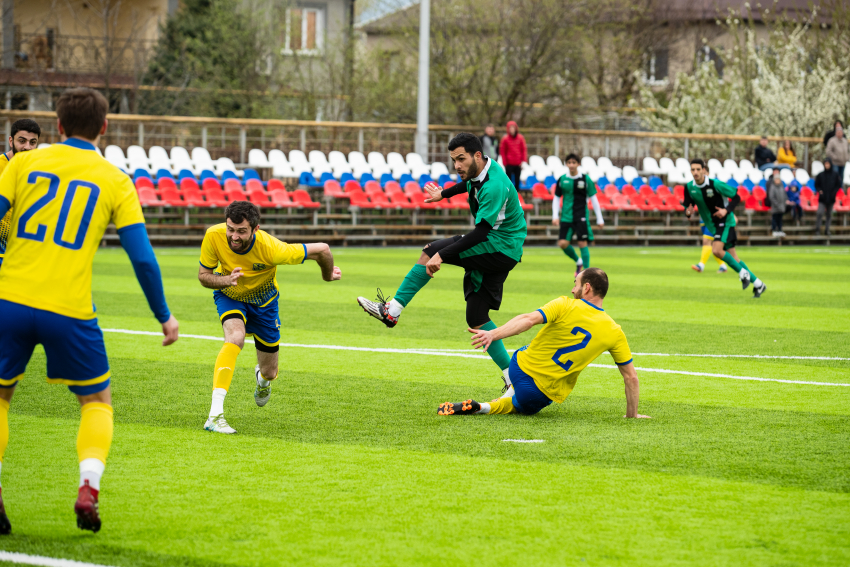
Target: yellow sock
[
  {"x": 719, "y": 261},
  {"x": 95, "y": 435},
  {"x": 224, "y": 365},
  {"x": 502, "y": 405},
  {"x": 4, "y": 427},
  {"x": 706, "y": 252}
]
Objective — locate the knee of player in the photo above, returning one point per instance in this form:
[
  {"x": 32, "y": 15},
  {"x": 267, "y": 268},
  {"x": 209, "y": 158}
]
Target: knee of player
[
  {"x": 563, "y": 244},
  {"x": 236, "y": 337}
]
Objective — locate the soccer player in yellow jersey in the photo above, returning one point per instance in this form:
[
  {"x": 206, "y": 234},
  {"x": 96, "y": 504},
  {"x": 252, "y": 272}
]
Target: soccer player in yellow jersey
[
  {"x": 64, "y": 196},
  {"x": 574, "y": 333},
  {"x": 24, "y": 137},
  {"x": 239, "y": 261}
]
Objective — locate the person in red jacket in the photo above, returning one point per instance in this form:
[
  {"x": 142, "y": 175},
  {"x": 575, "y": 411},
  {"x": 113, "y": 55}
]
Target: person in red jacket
[{"x": 514, "y": 153}]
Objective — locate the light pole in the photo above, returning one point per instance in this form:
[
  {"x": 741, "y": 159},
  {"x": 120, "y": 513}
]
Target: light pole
[{"x": 421, "y": 146}]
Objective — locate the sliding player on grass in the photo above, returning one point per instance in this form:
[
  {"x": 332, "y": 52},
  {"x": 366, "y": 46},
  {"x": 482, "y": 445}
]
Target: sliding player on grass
[
  {"x": 64, "y": 196},
  {"x": 24, "y": 137},
  {"x": 707, "y": 238},
  {"x": 571, "y": 195},
  {"x": 715, "y": 201},
  {"x": 487, "y": 254},
  {"x": 246, "y": 296},
  {"x": 574, "y": 333}
]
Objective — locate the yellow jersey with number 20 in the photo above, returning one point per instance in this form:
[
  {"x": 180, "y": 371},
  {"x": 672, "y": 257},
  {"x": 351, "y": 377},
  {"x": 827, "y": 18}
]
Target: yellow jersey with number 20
[
  {"x": 257, "y": 285},
  {"x": 63, "y": 198},
  {"x": 574, "y": 333}
]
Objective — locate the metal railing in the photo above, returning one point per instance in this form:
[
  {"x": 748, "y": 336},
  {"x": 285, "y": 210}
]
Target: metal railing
[
  {"x": 49, "y": 52},
  {"x": 233, "y": 137}
]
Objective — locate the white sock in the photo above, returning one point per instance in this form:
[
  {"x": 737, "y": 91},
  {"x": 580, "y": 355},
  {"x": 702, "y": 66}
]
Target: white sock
[
  {"x": 744, "y": 274},
  {"x": 758, "y": 282},
  {"x": 91, "y": 470},
  {"x": 485, "y": 408},
  {"x": 395, "y": 308},
  {"x": 217, "y": 407},
  {"x": 262, "y": 382},
  {"x": 509, "y": 393},
  {"x": 507, "y": 376},
  {"x": 701, "y": 266},
  {"x": 579, "y": 263}
]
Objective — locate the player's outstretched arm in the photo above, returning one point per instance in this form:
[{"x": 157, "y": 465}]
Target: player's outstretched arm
[
  {"x": 134, "y": 240},
  {"x": 630, "y": 378},
  {"x": 516, "y": 326},
  {"x": 209, "y": 279},
  {"x": 321, "y": 254}
]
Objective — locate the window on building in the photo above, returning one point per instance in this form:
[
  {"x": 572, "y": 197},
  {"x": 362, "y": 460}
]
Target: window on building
[
  {"x": 708, "y": 55},
  {"x": 656, "y": 66},
  {"x": 305, "y": 30}
]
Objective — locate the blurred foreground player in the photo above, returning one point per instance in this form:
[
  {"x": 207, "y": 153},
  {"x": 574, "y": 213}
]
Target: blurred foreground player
[
  {"x": 24, "y": 137},
  {"x": 574, "y": 333},
  {"x": 64, "y": 196}
]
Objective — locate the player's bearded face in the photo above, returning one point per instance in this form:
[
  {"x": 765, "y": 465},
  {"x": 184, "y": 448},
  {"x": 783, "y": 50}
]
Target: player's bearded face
[
  {"x": 239, "y": 237},
  {"x": 465, "y": 164},
  {"x": 24, "y": 142},
  {"x": 577, "y": 291},
  {"x": 698, "y": 173}
]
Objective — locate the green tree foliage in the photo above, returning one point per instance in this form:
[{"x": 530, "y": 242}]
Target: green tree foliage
[{"x": 208, "y": 62}]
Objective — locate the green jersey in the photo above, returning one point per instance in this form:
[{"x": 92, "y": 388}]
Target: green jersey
[
  {"x": 708, "y": 198},
  {"x": 494, "y": 199},
  {"x": 574, "y": 193}
]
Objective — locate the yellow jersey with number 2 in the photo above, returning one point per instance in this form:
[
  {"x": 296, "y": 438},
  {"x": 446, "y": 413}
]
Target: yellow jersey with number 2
[
  {"x": 574, "y": 334},
  {"x": 63, "y": 198}
]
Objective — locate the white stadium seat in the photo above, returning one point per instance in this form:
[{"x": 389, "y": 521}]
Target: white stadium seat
[
  {"x": 651, "y": 167},
  {"x": 630, "y": 174},
  {"x": 43, "y": 145},
  {"x": 817, "y": 167},
  {"x": 299, "y": 162},
  {"x": 746, "y": 165},
  {"x": 666, "y": 165},
  {"x": 258, "y": 157},
  {"x": 731, "y": 166},
  {"x": 180, "y": 160},
  {"x": 755, "y": 175},
  {"x": 588, "y": 163},
  {"x": 319, "y": 163},
  {"x": 202, "y": 160},
  {"x": 159, "y": 159},
  {"x": 115, "y": 156},
  {"x": 786, "y": 175},
  {"x": 226, "y": 164},
  {"x": 379, "y": 164},
  {"x": 739, "y": 176},
  {"x": 604, "y": 163},
  {"x": 137, "y": 159},
  {"x": 417, "y": 166},
  {"x": 438, "y": 168}
]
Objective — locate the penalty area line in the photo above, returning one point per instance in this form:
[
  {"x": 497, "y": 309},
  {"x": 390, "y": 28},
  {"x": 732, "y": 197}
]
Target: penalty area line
[
  {"x": 485, "y": 357},
  {"x": 24, "y": 559}
]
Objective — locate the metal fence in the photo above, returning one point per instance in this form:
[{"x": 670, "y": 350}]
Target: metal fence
[
  {"x": 53, "y": 52},
  {"x": 228, "y": 137}
]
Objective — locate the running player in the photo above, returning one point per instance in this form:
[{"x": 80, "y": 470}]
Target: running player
[
  {"x": 715, "y": 201},
  {"x": 239, "y": 261},
  {"x": 487, "y": 254},
  {"x": 571, "y": 195},
  {"x": 64, "y": 196},
  {"x": 574, "y": 333},
  {"x": 707, "y": 238},
  {"x": 24, "y": 137}
]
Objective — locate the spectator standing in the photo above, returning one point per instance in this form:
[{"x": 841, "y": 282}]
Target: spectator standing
[
  {"x": 838, "y": 152},
  {"x": 765, "y": 158},
  {"x": 490, "y": 143},
  {"x": 514, "y": 153},
  {"x": 831, "y": 133},
  {"x": 827, "y": 184},
  {"x": 778, "y": 202},
  {"x": 787, "y": 155},
  {"x": 793, "y": 195}
]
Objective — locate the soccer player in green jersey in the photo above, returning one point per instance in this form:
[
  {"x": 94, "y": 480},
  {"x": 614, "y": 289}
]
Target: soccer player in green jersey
[
  {"x": 569, "y": 209},
  {"x": 487, "y": 254},
  {"x": 716, "y": 202}
]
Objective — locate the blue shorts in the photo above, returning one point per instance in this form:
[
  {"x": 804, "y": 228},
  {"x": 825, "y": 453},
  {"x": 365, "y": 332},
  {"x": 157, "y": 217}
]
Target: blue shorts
[
  {"x": 527, "y": 399},
  {"x": 261, "y": 322},
  {"x": 76, "y": 355},
  {"x": 707, "y": 233}
]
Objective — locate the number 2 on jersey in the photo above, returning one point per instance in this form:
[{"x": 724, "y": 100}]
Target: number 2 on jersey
[
  {"x": 562, "y": 351},
  {"x": 52, "y": 189}
]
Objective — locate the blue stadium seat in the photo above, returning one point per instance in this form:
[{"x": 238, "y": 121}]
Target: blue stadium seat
[
  {"x": 141, "y": 173},
  {"x": 307, "y": 179},
  {"x": 620, "y": 183},
  {"x": 184, "y": 174},
  {"x": 405, "y": 177},
  {"x": 162, "y": 173},
  {"x": 227, "y": 174},
  {"x": 208, "y": 174},
  {"x": 425, "y": 178},
  {"x": 386, "y": 178},
  {"x": 811, "y": 184},
  {"x": 326, "y": 176},
  {"x": 748, "y": 183},
  {"x": 444, "y": 178},
  {"x": 549, "y": 181},
  {"x": 530, "y": 182},
  {"x": 364, "y": 178},
  {"x": 249, "y": 173},
  {"x": 345, "y": 177},
  {"x": 763, "y": 183},
  {"x": 655, "y": 182}
]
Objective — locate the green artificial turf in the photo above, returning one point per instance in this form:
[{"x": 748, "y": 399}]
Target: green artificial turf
[{"x": 349, "y": 464}]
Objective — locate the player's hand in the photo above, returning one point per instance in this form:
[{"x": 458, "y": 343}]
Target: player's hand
[
  {"x": 600, "y": 226},
  {"x": 170, "y": 330},
  {"x": 433, "y": 265},
  {"x": 481, "y": 338},
  {"x": 556, "y": 222},
  {"x": 638, "y": 416},
  {"x": 336, "y": 275},
  {"x": 689, "y": 211},
  {"x": 435, "y": 193},
  {"x": 721, "y": 212},
  {"x": 233, "y": 277}
]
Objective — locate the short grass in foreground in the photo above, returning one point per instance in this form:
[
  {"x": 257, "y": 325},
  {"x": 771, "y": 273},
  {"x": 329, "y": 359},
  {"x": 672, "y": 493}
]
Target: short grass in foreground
[{"x": 350, "y": 464}]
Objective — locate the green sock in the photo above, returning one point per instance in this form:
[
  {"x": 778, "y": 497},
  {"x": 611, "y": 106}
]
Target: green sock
[
  {"x": 753, "y": 277},
  {"x": 571, "y": 252},
  {"x": 585, "y": 256},
  {"x": 731, "y": 262},
  {"x": 415, "y": 280},
  {"x": 497, "y": 349}
]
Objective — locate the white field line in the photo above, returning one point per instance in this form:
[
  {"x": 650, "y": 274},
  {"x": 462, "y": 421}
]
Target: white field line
[
  {"x": 524, "y": 440},
  {"x": 25, "y": 559},
  {"x": 485, "y": 357}
]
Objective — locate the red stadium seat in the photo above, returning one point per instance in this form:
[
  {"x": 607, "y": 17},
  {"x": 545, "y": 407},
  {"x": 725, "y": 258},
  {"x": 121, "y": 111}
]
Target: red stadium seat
[
  {"x": 753, "y": 204},
  {"x": 148, "y": 198},
  {"x": 381, "y": 201},
  {"x": 400, "y": 200},
  {"x": 235, "y": 195},
  {"x": 656, "y": 203},
  {"x": 352, "y": 186},
  {"x": 333, "y": 189},
  {"x": 418, "y": 199},
  {"x": 524, "y": 206},
  {"x": 806, "y": 192},
  {"x": 759, "y": 193},
  {"x": 412, "y": 187},
  {"x": 460, "y": 201},
  {"x": 645, "y": 191},
  {"x": 232, "y": 185},
  {"x": 679, "y": 192},
  {"x": 171, "y": 197},
  {"x": 373, "y": 188},
  {"x": 449, "y": 184},
  {"x": 254, "y": 185},
  {"x": 275, "y": 185},
  {"x": 611, "y": 190},
  {"x": 392, "y": 187},
  {"x": 258, "y": 197},
  {"x": 144, "y": 183},
  {"x": 166, "y": 183},
  {"x": 809, "y": 205},
  {"x": 621, "y": 202},
  {"x": 189, "y": 183},
  {"x": 211, "y": 184},
  {"x": 663, "y": 191},
  {"x": 215, "y": 198},
  {"x": 281, "y": 199},
  {"x": 302, "y": 199},
  {"x": 628, "y": 190},
  {"x": 539, "y": 191},
  {"x": 193, "y": 197},
  {"x": 743, "y": 192}
]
